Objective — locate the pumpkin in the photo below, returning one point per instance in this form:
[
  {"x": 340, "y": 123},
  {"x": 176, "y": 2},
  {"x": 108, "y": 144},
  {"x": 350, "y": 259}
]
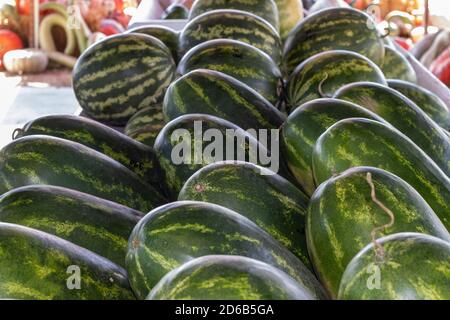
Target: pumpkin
[{"x": 25, "y": 61}]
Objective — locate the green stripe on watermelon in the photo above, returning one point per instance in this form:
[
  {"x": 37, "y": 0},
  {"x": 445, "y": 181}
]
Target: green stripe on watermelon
[
  {"x": 333, "y": 29},
  {"x": 346, "y": 200},
  {"x": 362, "y": 142},
  {"x": 217, "y": 94},
  {"x": 53, "y": 161},
  {"x": 264, "y": 197},
  {"x": 415, "y": 267},
  {"x": 168, "y": 142},
  {"x": 305, "y": 125},
  {"x": 175, "y": 233},
  {"x": 404, "y": 115},
  {"x": 167, "y": 35},
  {"x": 232, "y": 24},
  {"x": 396, "y": 66},
  {"x": 266, "y": 9},
  {"x": 93, "y": 223},
  {"x": 239, "y": 60},
  {"x": 324, "y": 73},
  {"x": 135, "y": 156},
  {"x": 145, "y": 125},
  {"x": 426, "y": 100},
  {"x": 37, "y": 265},
  {"x": 226, "y": 277},
  {"x": 121, "y": 74}
]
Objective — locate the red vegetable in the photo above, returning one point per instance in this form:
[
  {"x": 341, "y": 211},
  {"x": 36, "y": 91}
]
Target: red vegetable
[
  {"x": 8, "y": 41},
  {"x": 110, "y": 27},
  {"x": 441, "y": 67},
  {"x": 402, "y": 42},
  {"x": 23, "y": 6}
]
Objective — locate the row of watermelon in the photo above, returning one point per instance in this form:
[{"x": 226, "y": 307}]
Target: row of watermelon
[{"x": 276, "y": 234}]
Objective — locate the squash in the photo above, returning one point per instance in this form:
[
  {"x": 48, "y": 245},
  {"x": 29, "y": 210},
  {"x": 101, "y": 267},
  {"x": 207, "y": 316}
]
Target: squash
[{"x": 25, "y": 61}]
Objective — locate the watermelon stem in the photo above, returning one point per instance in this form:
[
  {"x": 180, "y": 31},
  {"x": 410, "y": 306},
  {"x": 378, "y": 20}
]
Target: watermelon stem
[
  {"x": 379, "y": 250},
  {"x": 320, "y": 90},
  {"x": 17, "y": 133}
]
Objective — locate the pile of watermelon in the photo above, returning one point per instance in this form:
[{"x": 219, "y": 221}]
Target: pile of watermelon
[{"x": 358, "y": 207}]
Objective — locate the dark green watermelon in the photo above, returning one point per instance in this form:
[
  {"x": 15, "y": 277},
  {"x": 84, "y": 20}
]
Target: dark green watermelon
[
  {"x": 415, "y": 267},
  {"x": 122, "y": 74},
  {"x": 333, "y": 29},
  {"x": 322, "y": 74},
  {"x": 145, "y": 125},
  {"x": 232, "y": 24},
  {"x": 226, "y": 277},
  {"x": 239, "y": 60},
  {"x": 396, "y": 66}
]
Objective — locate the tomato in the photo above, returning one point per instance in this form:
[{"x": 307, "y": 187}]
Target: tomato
[
  {"x": 23, "y": 6},
  {"x": 8, "y": 41}
]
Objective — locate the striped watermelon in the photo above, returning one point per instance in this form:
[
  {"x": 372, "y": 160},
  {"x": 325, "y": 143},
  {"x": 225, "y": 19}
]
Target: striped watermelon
[
  {"x": 396, "y": 66},
  {"x": 98, "y": 225},
  {"x": 228, "y": 278},
  {"x": 215, "y": 93},
  {"x": 232, "y": 24},
  {"x": 239, "y": 60},
  {"x": 346, "y": 200},
  {"x": 167, "y": 146},
  {"x": 145, "y": 125},
  {"x": 266, "y": 9},
  {"x": 174, "y": 234},
  {"x": 362, "y": 142},
  {"x": 37, "y": 265},
  {"x": 121, "y": 74},
  {"x": 280, "y": 209},
  {"x": 53, "y": 161},
  {"x": 167, "y": 35},
  {"x": 290, "y": 12},
  {"x": 415, "y": 267},
  {"x": 322, "y": 74},
  {"x": 404, "y": 115},
  {"x": 426, "y": 100},
  {"x": 305, "y": 125},
  {"x": 333, "y": 29},
  {"x": 138, "y": 158}
]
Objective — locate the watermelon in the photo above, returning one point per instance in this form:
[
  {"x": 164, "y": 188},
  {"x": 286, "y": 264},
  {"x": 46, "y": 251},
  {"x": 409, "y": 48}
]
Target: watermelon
[
  {"x": 232, "y": 24},
  {"x": 396, "y": 66},
  {"x": 98, "y": 225},
  {"x": 37, "y": 265},
  {"x": 122, "y": 74},
  {"x": 280, "y": 208},
  {"x": 215, "y": 93},
  {"x": 145, "y": 125},
  {"x": 53, "y": 161},
  {"x": 404, "y": 115},
  {"x": 305, "y": 125},
  {"x": 266, "y": 9},
  {"x": 226, "y": 277},
  {"x": 174, "y": 234},
  {"x": 333, "y": 29},
  {"x": 290, "y": 12},
  {"x": 346, "y": 200},
  {"x": 175, "y": 11},
  {"x": 135, "y": 156},
  {"x": 239, "y": 60},
  {"x": 415, "y": 267},
  {"x": 426, "y": 100},
  {"x": 167, "y": 35},
  {"x": 322, "y": 74},
  {"x": 196, "y": 126},
  {"x": 362, "y": 142}
]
